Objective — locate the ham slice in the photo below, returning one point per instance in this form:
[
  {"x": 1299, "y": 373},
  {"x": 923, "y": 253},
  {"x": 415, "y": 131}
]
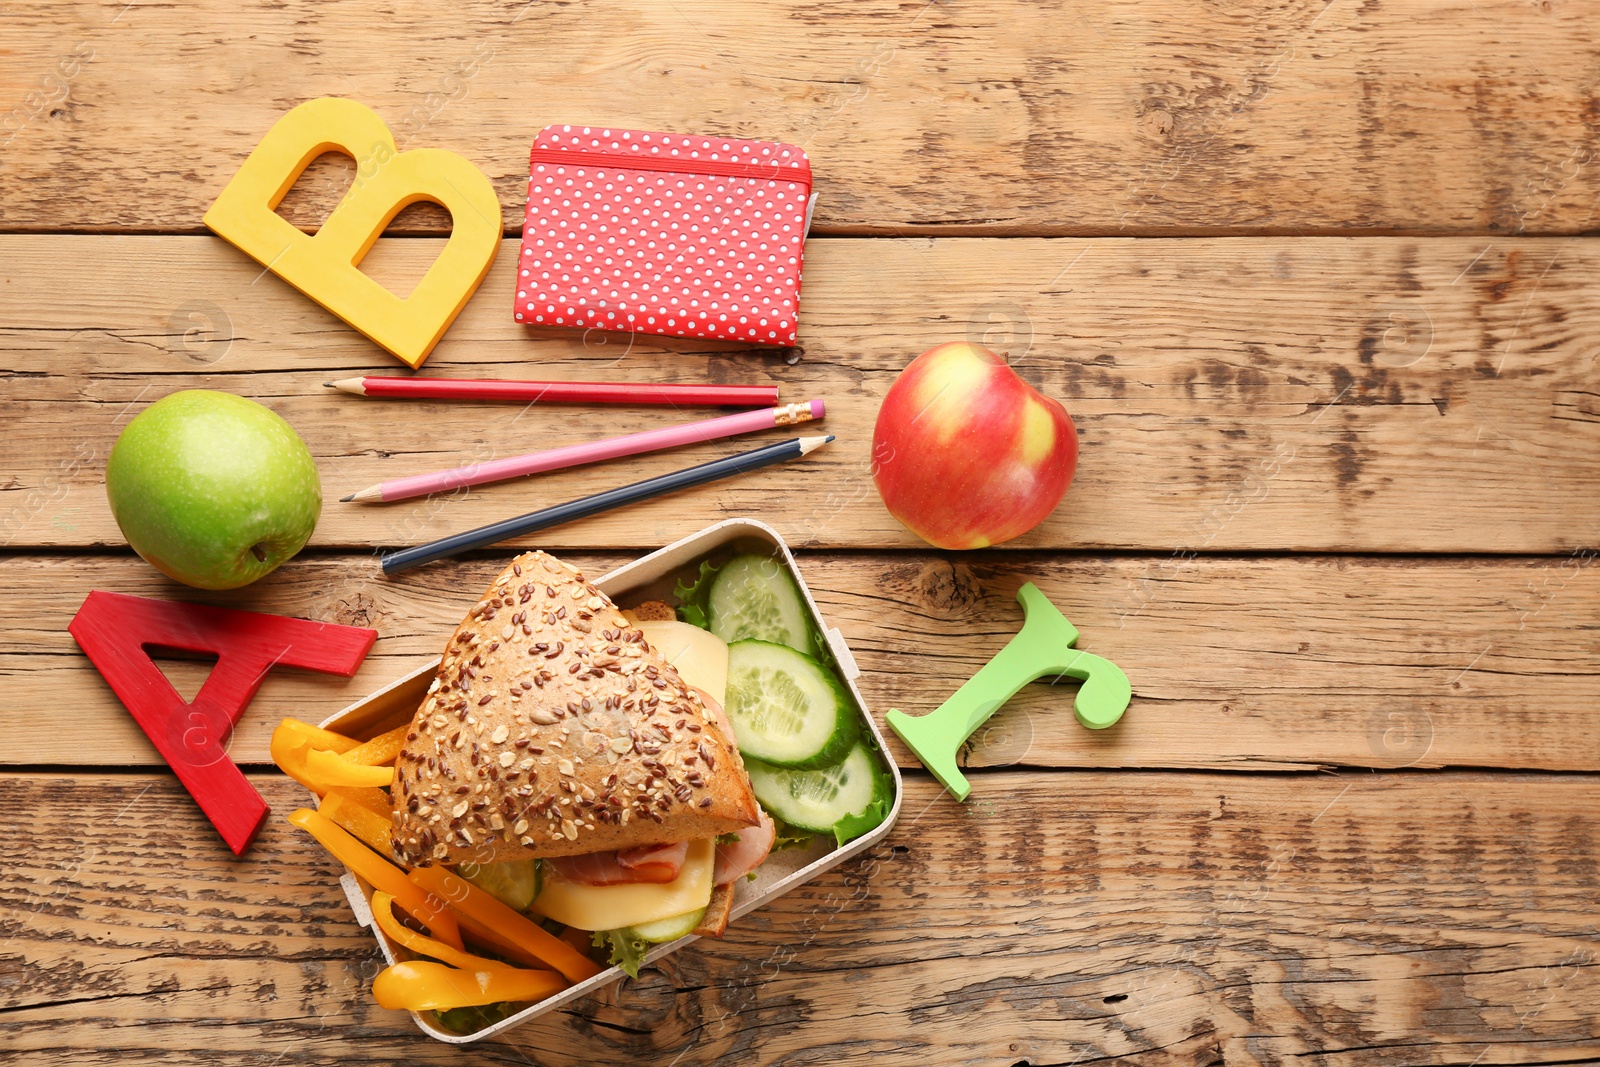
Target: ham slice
[
  {"x": 738, "y": 858},
  {"x": 651, "y": 863},
  {"x": 654, "y": 863},
  {"x": 718, "y": 716}
]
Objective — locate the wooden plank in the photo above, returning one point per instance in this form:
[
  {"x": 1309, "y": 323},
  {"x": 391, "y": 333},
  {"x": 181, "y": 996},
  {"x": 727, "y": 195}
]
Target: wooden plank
[
  {"x": 1246, "y": 664},
  {"x": 1324, "y": 395},
  {"x": 1158, "y": 919},
  {"x": 1140, "y": 117}
]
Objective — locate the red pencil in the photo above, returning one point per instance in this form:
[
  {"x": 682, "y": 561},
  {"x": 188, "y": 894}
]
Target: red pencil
[{"x": 737, "y": 396}]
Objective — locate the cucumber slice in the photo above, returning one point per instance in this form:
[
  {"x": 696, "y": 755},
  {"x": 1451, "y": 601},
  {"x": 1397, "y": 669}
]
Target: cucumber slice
[
  {"x": 814, "y": 800},
  {"x": 756, "y": 597},
  {"x": 513, "y": 882},
  {"x": 786, "y": 708},
  {"x": 668, "y": 929}
]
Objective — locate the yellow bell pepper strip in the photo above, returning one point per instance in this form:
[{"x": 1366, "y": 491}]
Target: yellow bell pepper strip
[
  {"x": 311, "y": 757},
  {"x": 288, "y": 751},
  {"x": 381, "y": 749},
  {"x": 373, "y": 799},
  {"x": 331, "y": 769},
  {"x": 418, "y": 985},
  {"x": 383, "y": 911},
  {"x": 368, "y": 827},
  {"x": 427, "y": 908},
  {"x": 317, "y": 737},
  {"x": 475, "y": 904}
]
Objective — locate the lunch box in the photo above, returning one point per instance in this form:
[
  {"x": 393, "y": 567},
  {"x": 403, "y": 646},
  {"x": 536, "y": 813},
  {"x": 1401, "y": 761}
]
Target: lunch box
[{"x": 650, "y": 577}]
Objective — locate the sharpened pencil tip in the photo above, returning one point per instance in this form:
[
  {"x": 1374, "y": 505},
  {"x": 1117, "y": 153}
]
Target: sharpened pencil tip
[
  {"x": 329, "y": 385},
  {"x": 829, "y": 438},
  {"x": 343, "y": 499}
]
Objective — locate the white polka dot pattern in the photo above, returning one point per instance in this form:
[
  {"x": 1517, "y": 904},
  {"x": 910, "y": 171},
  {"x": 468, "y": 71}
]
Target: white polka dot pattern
[{"x": 661, "y": 246}]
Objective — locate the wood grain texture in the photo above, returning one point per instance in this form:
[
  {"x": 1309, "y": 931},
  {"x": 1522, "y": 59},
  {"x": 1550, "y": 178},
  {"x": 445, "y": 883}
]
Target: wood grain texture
[
  {"x": 1001, "y": 116},
  {"x": 1245, "y": 664},
  {"x": 1302, "y": 460},
  {"x": 1324, "y": 395},
  {"x": 1054, "y": 918}
]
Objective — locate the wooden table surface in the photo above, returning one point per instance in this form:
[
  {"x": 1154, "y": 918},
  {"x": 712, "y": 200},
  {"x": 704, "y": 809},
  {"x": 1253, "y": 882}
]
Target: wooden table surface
[{"x": 1312, "y": 278}]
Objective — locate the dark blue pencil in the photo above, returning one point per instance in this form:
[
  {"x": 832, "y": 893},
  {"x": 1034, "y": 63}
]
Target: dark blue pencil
[{"x": 405, "y": 559}]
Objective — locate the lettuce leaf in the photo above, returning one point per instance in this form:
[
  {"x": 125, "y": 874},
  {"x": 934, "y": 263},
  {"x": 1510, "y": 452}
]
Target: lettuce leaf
[
  {"x": 692, "y": 598},
  {"x": 471, "y": 1020},
  {"x": 626, "y": 948},
  {"x": 789, "y": 836},
  {"x": 853, "y": 826}
]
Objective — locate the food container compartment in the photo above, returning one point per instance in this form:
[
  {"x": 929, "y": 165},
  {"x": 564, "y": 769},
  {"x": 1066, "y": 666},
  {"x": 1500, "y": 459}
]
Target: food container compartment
[{"x": 650, "y": 577}]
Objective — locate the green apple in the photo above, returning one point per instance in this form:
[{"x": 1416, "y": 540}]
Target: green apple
[{"x": 213, "y": 489}]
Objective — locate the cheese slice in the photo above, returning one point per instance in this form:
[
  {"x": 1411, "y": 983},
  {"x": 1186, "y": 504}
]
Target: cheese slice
[
  {"x": 700, "y": 655},
  {"x": 609, "y": 907}
]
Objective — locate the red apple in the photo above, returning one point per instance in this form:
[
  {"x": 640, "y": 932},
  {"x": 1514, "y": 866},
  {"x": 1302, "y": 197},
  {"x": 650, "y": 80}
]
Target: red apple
[{"x": 966, "y": 453}]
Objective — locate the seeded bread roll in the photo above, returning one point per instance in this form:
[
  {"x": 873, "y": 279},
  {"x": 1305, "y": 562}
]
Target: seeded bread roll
[
  {"x": 554, "y": 729},
  {"x": 714, "y": 923}
]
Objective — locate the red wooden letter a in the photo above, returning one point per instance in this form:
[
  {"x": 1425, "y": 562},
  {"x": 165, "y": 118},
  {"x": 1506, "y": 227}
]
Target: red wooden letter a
[{"x": 116, "y": 631}]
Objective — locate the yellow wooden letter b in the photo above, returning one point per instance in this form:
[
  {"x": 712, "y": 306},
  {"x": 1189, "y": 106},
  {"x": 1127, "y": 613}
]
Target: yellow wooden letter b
[{"x": 326, "y": 266}]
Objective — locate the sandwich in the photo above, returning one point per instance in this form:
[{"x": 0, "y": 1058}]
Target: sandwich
[{"x": 556, "y": 731}]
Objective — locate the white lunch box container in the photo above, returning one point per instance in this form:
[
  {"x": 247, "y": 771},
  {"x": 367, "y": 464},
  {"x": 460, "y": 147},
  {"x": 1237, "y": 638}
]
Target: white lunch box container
[{"x": 649, "y": 577}]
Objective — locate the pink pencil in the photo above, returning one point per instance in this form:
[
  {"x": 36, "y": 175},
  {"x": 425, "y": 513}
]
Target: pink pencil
[{"x": 591, "y": 452}]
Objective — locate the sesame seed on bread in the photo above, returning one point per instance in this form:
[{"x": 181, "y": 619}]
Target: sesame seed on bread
[{"x": 554, "y": 729}]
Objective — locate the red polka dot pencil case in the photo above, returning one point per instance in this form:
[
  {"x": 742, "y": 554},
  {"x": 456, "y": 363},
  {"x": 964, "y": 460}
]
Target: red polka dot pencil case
[{"x": 664, "y": 233}]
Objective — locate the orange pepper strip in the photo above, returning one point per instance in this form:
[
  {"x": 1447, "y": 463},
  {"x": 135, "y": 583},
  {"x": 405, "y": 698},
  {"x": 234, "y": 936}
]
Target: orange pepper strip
[
  {"x": 381, "y": 749},
  {"x": 485, "y": 937},
  {"x": 317, "y": 737},
  {"x": 578, "y": 939},
  {"x": 331, "y": 769},
  {"x": 426, "y": 908},
  {"x": 372, "y": 798},
  {"x": 418, "y": 985},
  {"x": 370, "y": 828},
  {"x": 383, "y": 911},
  {"x": 474, "y": 903}
]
